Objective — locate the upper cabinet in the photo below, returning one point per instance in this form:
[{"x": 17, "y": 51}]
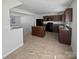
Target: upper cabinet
[
  {"x": 63, "y": 17},
  {"x": 68, "y": 14},
  {"x": 48, "y": 18},
  {"x": 58, "y": 18},
  {"x": 53, "y": 18}
]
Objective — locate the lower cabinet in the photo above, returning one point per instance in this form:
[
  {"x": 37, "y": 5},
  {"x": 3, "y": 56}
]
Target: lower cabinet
[
  {"x": 56, "y": 28},
  {"x": 65, "y": 36},
  {"x": 38, "y": 31}
]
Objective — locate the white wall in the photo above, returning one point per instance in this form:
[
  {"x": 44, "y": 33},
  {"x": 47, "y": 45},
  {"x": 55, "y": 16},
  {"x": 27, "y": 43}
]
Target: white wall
[
  {"x": 38, "y": 16},
  {"x": 27, "y": 21},
  {"x": 74, "y": 27},
  {"x": 12, "y": 39}
]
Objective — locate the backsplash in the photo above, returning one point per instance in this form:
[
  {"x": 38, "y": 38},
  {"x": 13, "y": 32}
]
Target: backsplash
[{"x": 54, "y": 22}]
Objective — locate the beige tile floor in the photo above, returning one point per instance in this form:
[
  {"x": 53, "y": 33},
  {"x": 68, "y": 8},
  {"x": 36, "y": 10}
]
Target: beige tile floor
[{"x": 47, "y": 47}]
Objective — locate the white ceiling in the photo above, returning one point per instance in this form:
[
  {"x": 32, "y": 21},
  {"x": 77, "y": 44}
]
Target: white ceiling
[{"x": 44, "y": 6}]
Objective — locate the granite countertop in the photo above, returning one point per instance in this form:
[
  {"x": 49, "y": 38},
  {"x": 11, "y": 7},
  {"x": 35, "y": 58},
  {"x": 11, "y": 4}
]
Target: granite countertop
[{"x": 63, "y": 27}]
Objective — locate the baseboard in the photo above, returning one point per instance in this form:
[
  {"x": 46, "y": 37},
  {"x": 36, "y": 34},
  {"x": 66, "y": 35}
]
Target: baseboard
[
  {"x": 75, "y": 53},
  {"x": 13, "y": 50}
]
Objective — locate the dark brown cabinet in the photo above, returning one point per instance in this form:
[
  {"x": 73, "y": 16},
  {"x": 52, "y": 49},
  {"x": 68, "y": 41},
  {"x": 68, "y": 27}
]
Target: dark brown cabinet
[
  {"x": 56, "y": 28},
  {"x": 63, "y": 17},
  {"x": 38, "y": 31},
  {"x": 68, "y": 14},
  {"x": 53, "y": 18},
  {"x": 58, "y": 18},
  {"x": 65, "y": 36},
  {"x": 45, "y": 18}
]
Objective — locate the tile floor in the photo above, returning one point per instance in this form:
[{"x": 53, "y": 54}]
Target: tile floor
[{"x": 47, "y": 47}]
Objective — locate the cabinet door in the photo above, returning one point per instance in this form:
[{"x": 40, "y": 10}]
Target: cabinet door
[
  {"x": 58, "y": 18},
  {"x": 55, "y": 28},
  {"x": 48, "y": 18},
  {"x": 61, "y": 35},
  {"x": 45, "y": 18},
  {"x": 68, "y": 14},
  {"x": 65, "y": 36},
  {"x": 53, "y": 18},
  {"x": 63, "y": 17}
]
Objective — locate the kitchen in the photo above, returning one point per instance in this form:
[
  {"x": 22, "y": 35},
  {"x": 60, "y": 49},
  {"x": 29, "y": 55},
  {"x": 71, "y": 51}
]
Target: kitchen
[{"x": 59, "y": 24}]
